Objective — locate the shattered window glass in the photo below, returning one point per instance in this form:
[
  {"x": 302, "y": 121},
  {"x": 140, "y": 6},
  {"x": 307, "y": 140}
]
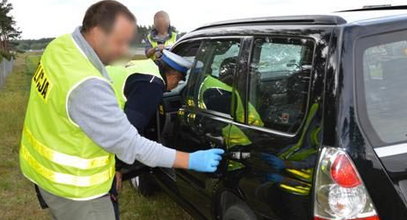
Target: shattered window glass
[
  {"x": 277, "y": 57},
  {"x": 279, "y": 82}
]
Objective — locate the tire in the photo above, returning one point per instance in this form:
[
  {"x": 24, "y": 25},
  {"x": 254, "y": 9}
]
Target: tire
[
  {"x": 145, "y": 185},
  {"x": 239, "y": 212}
]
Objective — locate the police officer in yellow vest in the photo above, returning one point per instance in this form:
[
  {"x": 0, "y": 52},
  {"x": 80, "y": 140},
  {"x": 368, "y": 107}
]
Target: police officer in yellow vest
[
  {"x": 163, "y": 36},
  {"x": 75, "y": 126}
]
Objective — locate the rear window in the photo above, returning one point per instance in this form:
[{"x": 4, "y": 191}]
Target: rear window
[{"x": 381, "y": 65}]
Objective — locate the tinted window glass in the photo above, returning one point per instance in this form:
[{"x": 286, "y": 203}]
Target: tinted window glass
[
  {"x": 383, "y": 88},
  {"x": 187, "y": 50},
  {"x": 280, "y": 73},
  {"x": 210, "y": 87}
]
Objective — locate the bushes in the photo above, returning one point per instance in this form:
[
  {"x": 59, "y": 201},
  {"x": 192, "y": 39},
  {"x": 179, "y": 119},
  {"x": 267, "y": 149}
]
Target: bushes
[{"x": 6, "y": 54}]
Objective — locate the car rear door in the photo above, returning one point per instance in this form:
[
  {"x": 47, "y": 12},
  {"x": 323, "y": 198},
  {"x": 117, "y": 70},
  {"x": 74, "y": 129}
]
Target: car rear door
[{"x": 279, "y": 139}]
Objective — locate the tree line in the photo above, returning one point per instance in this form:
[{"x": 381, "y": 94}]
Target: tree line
[
  {"x": 8, "y": 30},
  {"x": 10, "y": 34},
  {"x": 27, "y": 45},
  {"x": 40, "y": 44}
]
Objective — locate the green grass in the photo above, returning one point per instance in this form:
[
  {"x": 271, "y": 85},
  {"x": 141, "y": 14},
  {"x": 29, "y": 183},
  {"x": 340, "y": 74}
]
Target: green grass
[{"x": 18, "y": 200}]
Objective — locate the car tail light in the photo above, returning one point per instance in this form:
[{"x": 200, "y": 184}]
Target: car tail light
[
  {"x": 343, "y": 172},
  {"x": 339, "y": 190}
]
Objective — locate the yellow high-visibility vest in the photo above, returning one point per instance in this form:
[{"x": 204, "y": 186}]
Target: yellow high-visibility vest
[
  {"x": 55, "y": 153},
  {"x": 168, "y": 43}
]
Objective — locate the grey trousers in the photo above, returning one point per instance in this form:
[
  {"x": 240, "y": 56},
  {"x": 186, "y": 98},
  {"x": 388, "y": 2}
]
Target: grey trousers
[{"x": 66, "y": 209}]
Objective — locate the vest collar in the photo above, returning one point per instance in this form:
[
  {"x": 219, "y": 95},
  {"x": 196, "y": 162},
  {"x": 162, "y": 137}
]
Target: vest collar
[
  {"x": 88, "y": 51},
  {"x": 154, "y": 34}
]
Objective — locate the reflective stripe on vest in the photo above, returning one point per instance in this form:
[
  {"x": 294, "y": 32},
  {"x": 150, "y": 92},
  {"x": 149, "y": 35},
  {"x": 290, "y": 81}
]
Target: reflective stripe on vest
[
  {"x": 299, "y": 190},
  {"x": 55, "y": 153},
  {"x": 63, "y": 178},
  {"x": 65, "y": 159}
]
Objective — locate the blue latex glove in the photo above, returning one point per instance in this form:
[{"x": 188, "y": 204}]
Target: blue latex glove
[
  {"x": 274, "y": 161},
  {"x": 274, "y": 178},
  {"x": 205, "y": 160}
]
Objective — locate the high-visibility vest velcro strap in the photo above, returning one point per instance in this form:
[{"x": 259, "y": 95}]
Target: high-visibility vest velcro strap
[
  {"x": 65, "y": 159},
  {"x": 62, "y": 178}
]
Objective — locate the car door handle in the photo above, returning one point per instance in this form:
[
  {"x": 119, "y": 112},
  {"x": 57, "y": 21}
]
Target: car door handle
[{"x": 219, "y": 140}]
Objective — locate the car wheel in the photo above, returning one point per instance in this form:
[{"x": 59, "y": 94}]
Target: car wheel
[
  {"x": 239, "y": 212},
  {"x": 145, "y": 185}
]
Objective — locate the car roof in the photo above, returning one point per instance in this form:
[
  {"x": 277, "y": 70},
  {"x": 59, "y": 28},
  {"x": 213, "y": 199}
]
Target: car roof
[
  {"x": 361, "y": 16},
  {"x": 336, "y": 18}
]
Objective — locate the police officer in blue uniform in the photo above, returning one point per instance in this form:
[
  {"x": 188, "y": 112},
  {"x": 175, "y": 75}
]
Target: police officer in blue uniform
[
  {"x": 140, "y": 107},
  {"x": 143, "y": 85}
]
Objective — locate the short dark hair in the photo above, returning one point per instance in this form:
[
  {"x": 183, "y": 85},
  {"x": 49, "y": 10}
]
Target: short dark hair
[
  {"x": 165, "y": 69},
  {"x": 104, "y": 14}
]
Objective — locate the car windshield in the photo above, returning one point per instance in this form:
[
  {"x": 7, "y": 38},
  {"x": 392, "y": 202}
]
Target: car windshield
[{"x": 383, "y": 88}]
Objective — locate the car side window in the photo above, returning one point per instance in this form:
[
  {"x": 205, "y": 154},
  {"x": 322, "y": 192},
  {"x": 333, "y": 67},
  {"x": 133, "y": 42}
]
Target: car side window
[
  {"x": 382, "y": 88},
  {"x": 211, "y": 83},
  {"x": 279, "y": 82},
  {"x": 187, "y": 50}
]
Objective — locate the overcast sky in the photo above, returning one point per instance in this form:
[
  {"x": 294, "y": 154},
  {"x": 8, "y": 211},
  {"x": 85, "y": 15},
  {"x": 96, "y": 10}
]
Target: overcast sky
[{"x": 51, "y": 18}]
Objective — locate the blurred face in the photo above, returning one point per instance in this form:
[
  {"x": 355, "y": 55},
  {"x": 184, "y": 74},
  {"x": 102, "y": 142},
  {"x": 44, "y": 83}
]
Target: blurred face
[
  {"x": 173, "y": 78},
  {"x": 161, "y": 24},
  {"x": 111, "y": 46}
]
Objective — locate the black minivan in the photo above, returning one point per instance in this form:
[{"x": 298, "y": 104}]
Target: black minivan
[{"x": 311, "y": 110}]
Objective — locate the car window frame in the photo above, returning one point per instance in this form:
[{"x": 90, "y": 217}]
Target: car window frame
[
  {"x": 174, "y": 50},
  {"x": 247, "y": 82},
  {"x": 219, "y": 115},
  {"x": 360, "y": 44}
]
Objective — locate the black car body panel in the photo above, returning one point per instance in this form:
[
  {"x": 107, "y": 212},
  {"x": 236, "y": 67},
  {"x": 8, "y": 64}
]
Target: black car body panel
[
  {"x": 330, "y": 106},
  {"x": 384, "y": 191}
]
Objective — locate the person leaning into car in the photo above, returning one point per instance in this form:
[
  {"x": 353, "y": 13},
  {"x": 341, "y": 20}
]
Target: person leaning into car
[
  {"x": 132, "y": 81},
  {"x": 161, "y": 37},
  {"x": 151, "y": 77},
  {"x": 74, "y": 126}
]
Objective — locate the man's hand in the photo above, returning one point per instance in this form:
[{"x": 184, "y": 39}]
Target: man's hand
[
  {"x": 205, "y": 160},
  {"x": 155, "y": 51},
  {"x": 161, "y": 47},
  {"x": 159, "y": 50}
]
